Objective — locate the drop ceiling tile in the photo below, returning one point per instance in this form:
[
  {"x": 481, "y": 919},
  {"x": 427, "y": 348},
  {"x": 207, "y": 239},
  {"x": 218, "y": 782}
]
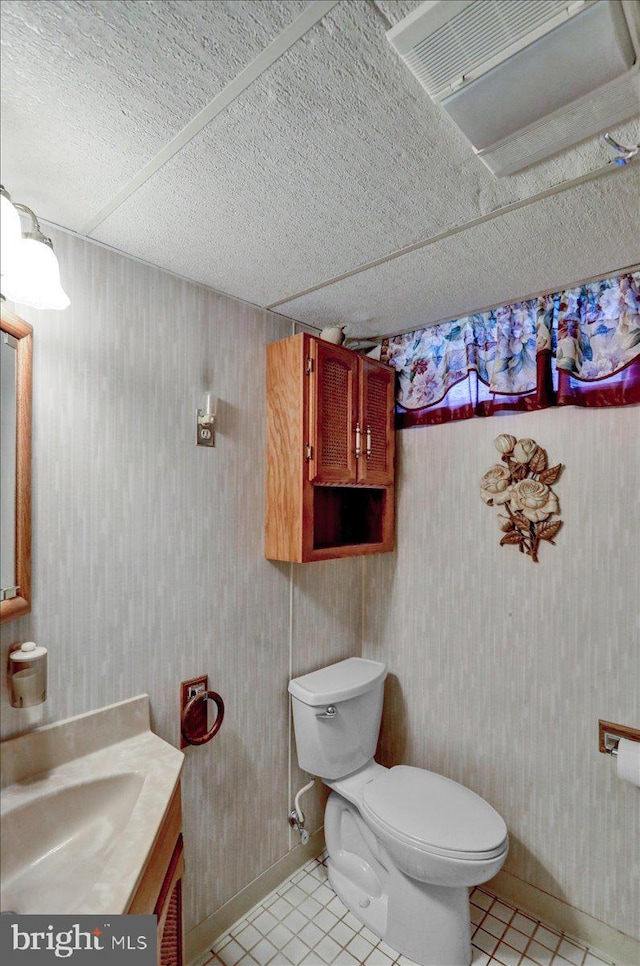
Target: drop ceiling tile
[
  {"x": 92, "y": 90},
  {"x": 586, "y": 231},
  {"x": 307, "y": 165},
  {"x": 334, "y": 157},
  {"x": 397, "y": 10}
]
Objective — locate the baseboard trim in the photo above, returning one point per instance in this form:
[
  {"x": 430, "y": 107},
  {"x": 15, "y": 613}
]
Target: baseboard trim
[
  {"x": 624, "y": 950},
  {"x": 202, "y": 936}
]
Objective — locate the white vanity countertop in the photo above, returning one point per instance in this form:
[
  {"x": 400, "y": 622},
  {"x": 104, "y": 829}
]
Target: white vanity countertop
[{"x": 109, "y": 760}]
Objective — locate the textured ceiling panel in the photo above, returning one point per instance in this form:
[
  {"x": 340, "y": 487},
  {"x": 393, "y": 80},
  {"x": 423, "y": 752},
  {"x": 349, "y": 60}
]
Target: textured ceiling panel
[
  {"x": 396, "y": 10},
  {"x": 334, "y": 157},
  {"x": 92, "y": 90},
  {"x": 586, "y": 231},
  {"x": 330, "y": 159}
]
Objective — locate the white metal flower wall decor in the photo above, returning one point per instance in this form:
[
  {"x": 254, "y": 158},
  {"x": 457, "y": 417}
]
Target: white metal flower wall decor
[{"x": 521, "y": 485}]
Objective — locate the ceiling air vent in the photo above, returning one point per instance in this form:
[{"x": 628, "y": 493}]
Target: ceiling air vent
[{"x": 524, "y": 79}]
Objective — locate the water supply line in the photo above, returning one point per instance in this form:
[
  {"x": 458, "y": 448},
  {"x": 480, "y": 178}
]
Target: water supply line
[{"x": 296, "y": 815}]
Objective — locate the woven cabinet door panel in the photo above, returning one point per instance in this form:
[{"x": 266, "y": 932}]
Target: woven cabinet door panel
[
  {"x": 333, "y": 414},
  {"x": 378, "y": 437},
  {"x": 171, "y": 944},
  {"x": 168, "y": 909}
]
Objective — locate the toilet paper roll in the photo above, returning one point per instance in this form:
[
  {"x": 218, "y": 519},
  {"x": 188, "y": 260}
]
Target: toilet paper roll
[{"x": 628, "y": 761}]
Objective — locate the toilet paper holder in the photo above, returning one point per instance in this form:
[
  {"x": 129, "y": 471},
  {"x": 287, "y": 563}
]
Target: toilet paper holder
[{"x": 610, "y": 735}]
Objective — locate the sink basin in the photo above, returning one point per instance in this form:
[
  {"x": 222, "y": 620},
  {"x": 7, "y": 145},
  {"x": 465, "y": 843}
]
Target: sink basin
[
  {"x": 82, "y": 803},
  {"x": 75, "y": 827}
]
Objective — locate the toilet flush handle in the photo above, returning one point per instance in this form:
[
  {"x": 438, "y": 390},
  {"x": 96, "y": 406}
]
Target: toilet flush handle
[{"x": 329, "y": 713}]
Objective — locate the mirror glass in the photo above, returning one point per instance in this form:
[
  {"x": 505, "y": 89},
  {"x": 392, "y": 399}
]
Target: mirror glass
[{"x": 15, "y": 466}]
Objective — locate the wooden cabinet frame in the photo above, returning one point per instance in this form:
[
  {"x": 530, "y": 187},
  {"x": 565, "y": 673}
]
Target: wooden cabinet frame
[
  {"x": 22, "y": 332},
  {"x": 160, "y": 888},
  {"x": 323, "y": 500}
]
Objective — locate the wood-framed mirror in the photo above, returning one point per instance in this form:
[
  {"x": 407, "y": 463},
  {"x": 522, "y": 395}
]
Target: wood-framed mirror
[{"x": 16, "y": 347}]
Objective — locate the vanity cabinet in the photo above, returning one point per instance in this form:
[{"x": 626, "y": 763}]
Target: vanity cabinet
[
  {"x": 330, "y": 452},
  {"x": 160, "y": 889}
]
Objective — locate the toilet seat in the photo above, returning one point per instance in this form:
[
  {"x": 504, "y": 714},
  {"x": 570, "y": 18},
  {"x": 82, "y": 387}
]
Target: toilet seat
[{"x": 433, "y": 814}]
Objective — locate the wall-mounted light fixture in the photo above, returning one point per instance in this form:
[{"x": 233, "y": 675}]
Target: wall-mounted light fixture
[
  {"x": 11, "y": 233},
  {"x": 206, "y": 421},
  {"x": 30, "y": 270}
]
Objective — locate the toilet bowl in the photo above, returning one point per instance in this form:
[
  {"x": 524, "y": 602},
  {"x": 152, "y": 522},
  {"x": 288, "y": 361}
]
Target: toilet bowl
[{"x": 404, "y": 844}]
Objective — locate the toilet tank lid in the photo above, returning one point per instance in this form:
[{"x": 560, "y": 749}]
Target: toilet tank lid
[{"x": 338, "y": 682}]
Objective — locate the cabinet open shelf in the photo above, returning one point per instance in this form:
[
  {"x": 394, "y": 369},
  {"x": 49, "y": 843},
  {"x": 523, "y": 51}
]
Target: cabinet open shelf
[{"x": 347, "y": 516}]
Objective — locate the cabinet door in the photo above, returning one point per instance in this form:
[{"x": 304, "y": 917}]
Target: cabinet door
[
  {"x": 332, "y": 413},
  {"x": 169, "y": 911},
  {"x": 377, "y": 383}
]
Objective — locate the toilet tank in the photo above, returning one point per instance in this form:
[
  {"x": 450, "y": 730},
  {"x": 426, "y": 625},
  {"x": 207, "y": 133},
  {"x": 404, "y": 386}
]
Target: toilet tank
[{"x": 332, "y": 745}]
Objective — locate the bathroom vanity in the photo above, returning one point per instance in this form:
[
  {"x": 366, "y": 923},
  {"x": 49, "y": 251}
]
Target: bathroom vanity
[
  {"x": 330, "y": 452},
  {"x": 91, "y": 821}
]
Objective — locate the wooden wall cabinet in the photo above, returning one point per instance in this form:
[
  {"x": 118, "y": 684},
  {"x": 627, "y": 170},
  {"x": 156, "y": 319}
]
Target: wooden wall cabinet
[
  {"x": 330, "y": 452},
  {"x": 160, "y": 889}
]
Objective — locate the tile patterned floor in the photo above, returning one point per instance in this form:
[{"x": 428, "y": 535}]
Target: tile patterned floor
[{"x": 303, "y": 923}]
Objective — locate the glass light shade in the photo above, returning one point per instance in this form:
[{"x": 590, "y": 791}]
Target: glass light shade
[
  {"x": 210, "y": 404},
  {"x": 10, "y": 237},
  {"x": 35, "y": 280}
]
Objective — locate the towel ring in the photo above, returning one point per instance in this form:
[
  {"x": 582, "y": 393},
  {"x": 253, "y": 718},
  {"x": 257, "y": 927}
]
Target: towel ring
[{"x": 215, "y": 728}]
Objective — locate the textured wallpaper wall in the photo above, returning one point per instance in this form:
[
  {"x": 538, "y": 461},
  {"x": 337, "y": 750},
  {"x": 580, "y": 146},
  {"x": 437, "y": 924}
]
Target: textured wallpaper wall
[
  {"x": 499, "y": 667},
  {"x": 148, "y": 568},
  {"x": 148, "y": 563}
]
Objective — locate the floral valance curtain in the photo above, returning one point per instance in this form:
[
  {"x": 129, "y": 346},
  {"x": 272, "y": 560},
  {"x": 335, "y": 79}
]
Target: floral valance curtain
[{"x": 580, "y": 347}]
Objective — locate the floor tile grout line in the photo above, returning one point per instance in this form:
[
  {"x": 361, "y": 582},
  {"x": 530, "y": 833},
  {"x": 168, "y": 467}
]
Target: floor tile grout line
[
  {"x": 558, "y": 933},
  {"x": 526, "y": 949},
  {"x": 515, "y": 948},
  {"x": 345, "y": 916}
]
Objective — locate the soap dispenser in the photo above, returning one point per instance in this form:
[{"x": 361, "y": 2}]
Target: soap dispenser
[{"x": 28, "y": 675}]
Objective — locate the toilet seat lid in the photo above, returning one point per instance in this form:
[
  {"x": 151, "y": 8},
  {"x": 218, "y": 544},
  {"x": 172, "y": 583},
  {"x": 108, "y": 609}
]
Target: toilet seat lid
[{"x": 434, "y": 813}]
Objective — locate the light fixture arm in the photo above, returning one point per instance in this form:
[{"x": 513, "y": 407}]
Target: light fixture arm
[{"x": 36, "y": 231}]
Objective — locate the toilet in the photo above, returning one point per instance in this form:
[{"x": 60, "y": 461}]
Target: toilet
[{"x": 404, "y": 844}]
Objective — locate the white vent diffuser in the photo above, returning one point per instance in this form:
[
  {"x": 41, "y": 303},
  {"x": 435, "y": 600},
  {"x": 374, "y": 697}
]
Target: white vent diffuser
[{"x": 524, "y": 79}]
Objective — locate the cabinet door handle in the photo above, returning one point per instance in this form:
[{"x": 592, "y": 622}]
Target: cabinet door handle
[
  {"x": 368, "y": 442},
  {"x": 358, "y": 442}
]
